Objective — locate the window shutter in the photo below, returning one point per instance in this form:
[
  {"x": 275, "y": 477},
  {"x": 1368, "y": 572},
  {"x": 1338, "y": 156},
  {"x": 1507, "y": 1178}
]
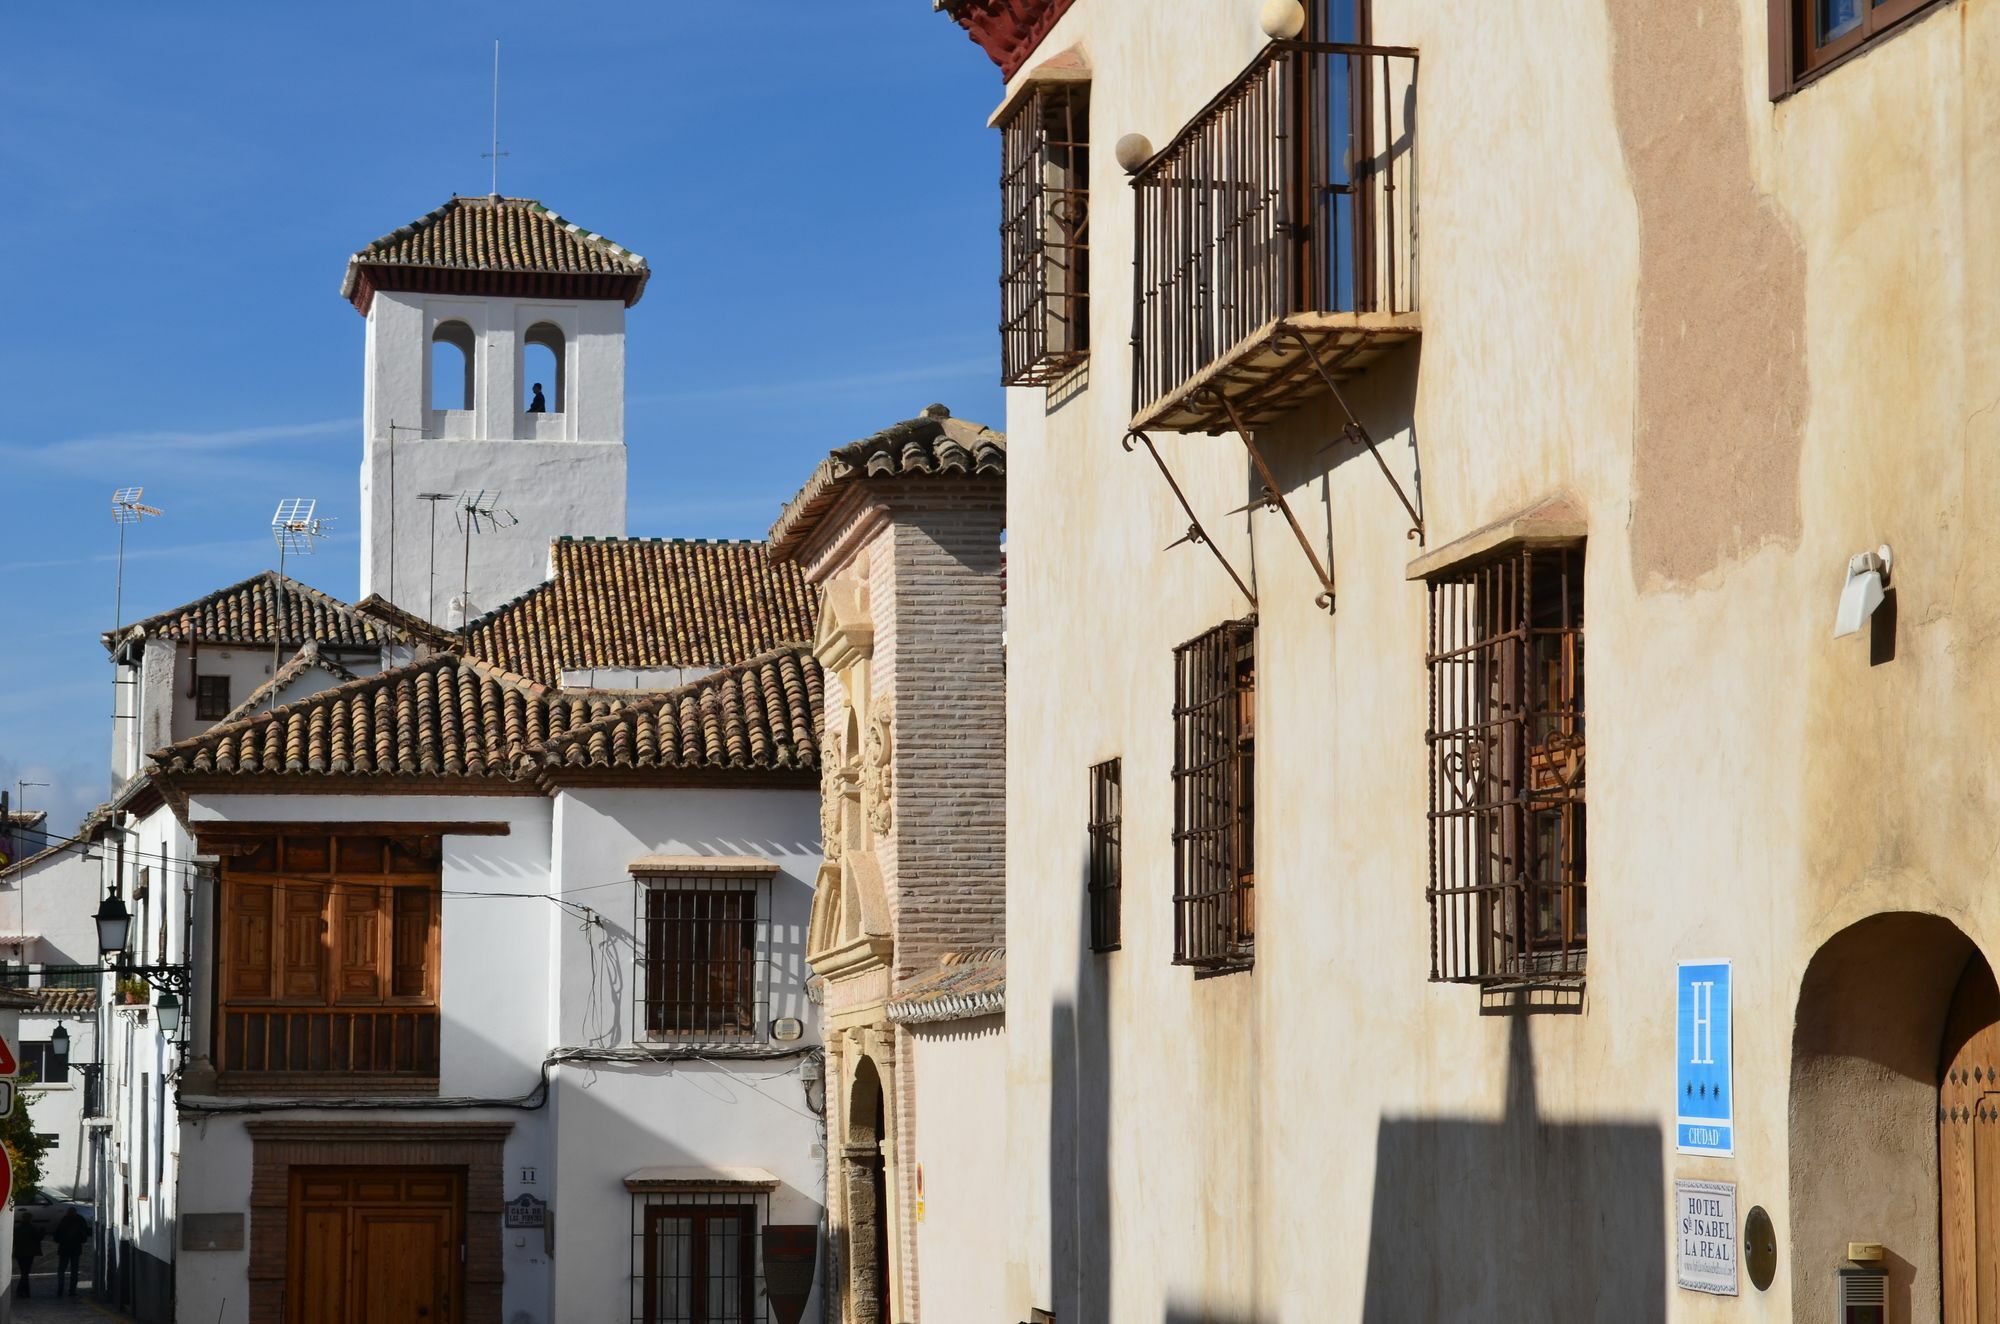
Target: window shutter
[
  {"x": 360, "y": 943},
  {"x": 414, "y": 924},
  {"x": 248, "y": 968},
  {"x": 302, "y": 950}
]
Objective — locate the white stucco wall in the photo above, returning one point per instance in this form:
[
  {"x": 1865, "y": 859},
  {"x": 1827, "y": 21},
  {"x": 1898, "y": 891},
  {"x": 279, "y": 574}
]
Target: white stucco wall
[
  {"x": 556, "y": 473},
  {"x": 961, "y": 1121},
  {"x": 614, "y": 1118}
]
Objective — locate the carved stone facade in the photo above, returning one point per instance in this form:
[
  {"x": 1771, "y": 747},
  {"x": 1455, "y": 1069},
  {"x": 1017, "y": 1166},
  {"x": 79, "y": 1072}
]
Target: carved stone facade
[{"x": 908, "y": 560}]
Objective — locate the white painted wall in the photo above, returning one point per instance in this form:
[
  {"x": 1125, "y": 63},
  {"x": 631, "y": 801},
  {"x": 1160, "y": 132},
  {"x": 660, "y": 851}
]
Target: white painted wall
[
  {"x": 614, "y": 1118},
  {"x": 557, "y": 473},
  {"x": 961, "y": 1112}
]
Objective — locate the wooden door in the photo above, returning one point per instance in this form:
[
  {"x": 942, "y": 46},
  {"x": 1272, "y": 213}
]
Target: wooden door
[
  {"x": 1969, "y": 1150},
  {"x": 375, "y": 1246}
]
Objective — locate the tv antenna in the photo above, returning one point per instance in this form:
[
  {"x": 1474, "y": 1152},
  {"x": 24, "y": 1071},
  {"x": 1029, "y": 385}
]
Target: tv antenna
[
  {"x": 126, "y": 508},
  {"x": 478, "y": 512},
  {"x": 495, "y": 155},
  {"x": 431, "y": 602},
  {"x": 296, "y": 529}
]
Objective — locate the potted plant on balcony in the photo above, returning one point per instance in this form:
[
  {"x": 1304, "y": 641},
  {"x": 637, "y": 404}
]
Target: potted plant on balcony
[{"x": 132, "y": 991}]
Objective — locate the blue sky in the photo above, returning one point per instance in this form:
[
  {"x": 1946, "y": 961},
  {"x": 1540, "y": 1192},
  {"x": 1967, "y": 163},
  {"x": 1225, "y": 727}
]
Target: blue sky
[{"x": 811, "y": 180}]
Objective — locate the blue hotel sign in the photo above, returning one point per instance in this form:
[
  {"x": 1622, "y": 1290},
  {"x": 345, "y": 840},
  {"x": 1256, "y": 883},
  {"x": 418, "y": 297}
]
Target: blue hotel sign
[{"x": 1704, "y": 1079}]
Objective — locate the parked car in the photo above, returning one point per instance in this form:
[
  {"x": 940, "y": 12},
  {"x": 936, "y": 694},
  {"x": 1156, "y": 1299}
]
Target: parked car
[{"x": 45, "y": 1210}]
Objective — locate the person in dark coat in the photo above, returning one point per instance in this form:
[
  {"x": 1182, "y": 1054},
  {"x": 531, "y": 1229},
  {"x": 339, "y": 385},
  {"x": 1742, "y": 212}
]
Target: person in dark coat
[
  {"x": 538, "y": 405},
  {"x": 27, "y": 1245},
  {"x": 71, "y": 1236}
]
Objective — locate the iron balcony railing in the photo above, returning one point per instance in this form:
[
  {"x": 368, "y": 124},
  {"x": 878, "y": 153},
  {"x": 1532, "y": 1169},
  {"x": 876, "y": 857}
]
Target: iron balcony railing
[
  {"x": 51, "y": 976},
  {"x": 1292, "y": 193}
]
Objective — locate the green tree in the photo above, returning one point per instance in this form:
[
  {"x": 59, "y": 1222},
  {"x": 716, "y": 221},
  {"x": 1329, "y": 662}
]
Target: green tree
[{"x": 24, "y": 1147}]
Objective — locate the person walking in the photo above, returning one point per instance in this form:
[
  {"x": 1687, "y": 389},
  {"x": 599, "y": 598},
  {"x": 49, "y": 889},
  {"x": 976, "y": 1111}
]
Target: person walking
[
  {"x": 27, "y": 1245},
  {"x": 71, "y": 1236}
]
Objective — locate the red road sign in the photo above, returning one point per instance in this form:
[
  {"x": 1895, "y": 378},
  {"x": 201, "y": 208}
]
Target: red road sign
[
  {"x": 6, "y": 1176},
  {"x": 8, "y": 1066}
]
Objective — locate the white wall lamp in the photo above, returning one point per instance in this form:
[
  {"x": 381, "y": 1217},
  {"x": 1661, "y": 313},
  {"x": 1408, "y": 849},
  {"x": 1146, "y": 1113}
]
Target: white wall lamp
[{"x": 1867, "y": 576}]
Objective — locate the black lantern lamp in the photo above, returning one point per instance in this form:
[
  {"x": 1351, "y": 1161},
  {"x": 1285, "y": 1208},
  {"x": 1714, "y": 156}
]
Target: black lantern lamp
[
  {"x": 59, "y": 1046},
  {"x": 114, "y": 925},
  {"x": 114, "y": 930}
]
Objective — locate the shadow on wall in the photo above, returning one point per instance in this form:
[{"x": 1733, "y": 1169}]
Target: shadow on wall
[
  {"x": 1080, "y": 1136},
  {"x": 1520, "y": 1218}
]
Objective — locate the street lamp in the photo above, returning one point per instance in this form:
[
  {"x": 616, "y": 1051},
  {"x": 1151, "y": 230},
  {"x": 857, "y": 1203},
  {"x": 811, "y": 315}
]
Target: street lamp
[
  {"x": 114, "y": 925},
  {"x": 114, "y": 930},
  {"x": 59, "y": 1047}
]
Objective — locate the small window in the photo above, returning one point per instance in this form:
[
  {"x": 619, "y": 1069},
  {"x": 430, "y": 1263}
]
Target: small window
[
  {"x": 695, "y": 1257},
  {"x": 1215, "y": 706},
  {"x": 1810, "y": 36},
  {"x": 211, "y": 698},
  {"x": 39, "y": 1058},
  {"x": 1104, "y": 884},
  {"x": 1506, "y": 742},
  {"x": 542, "y": 369},
  {"x": 699, "y": 944},
  {"x": 451, "y": 366},
  {"x": 1045, "y": 234}
]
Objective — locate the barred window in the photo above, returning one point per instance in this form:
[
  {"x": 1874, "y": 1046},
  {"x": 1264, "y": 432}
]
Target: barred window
[
  {"x": 1045, "y": 234},
  {"x": 1105, "y": 880},
  {"x": 1215, "y": 705},
  {"x": 699, "y": 959},
  {"x": 695, "y": 1257},
  {"x": 1505, "y": 657},
  {"x": 211, "y": 698}
]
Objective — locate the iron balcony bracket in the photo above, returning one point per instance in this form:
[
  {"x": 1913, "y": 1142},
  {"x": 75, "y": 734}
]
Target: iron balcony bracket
[
  {"x": 1195, "y": 533},
  {"x": 1274, "y": 499},
  {"x": 1353, "y": 431}
]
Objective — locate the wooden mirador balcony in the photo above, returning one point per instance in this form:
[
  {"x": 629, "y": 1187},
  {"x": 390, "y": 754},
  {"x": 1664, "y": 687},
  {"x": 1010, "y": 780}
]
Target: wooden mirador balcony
[{"x": 1276, "y": 237}]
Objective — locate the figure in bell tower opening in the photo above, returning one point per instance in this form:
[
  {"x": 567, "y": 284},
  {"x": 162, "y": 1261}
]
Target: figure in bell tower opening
[{"x": 460, "y": 305}]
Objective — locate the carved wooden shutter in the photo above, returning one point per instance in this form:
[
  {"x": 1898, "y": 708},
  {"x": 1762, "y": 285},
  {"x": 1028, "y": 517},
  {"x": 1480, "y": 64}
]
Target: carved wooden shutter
[
  {"x": 359, "y": 939},
  {"x": 414, "y": 925},
  {"x": 248, "y": 968},
  {"x": 302, "y": 944}
]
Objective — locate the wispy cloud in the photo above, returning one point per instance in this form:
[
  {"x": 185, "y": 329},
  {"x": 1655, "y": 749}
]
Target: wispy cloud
[
  {"x": 182, "y": 551},
  {"x": 85, "y": 454},
  {"x": 819, "y": 386}
]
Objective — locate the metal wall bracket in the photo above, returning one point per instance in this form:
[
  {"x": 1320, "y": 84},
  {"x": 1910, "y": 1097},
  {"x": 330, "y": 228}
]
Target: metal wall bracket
[
  {"x": 1353, "y": 431},
  {"x": 1274, "y": 499},
  {"x": 1195, "y": 533}
]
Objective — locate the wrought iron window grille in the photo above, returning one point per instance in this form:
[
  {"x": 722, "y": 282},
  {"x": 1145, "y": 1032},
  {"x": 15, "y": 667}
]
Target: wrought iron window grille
[
  {"x": 1105, "y": 882},
  {"x": 1215, "y": 702},
  {"x": 1045, "y": 234},
  {"x": 697, "y": 1257},
  {"x": 1507, "y": 801},
  {"x": 703, "y": 945}
]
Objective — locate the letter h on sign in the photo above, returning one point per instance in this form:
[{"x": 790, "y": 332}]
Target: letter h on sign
[{"x": 1704, "y": 1079}]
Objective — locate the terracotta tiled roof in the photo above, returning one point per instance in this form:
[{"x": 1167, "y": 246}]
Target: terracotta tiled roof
[
  {"x": 512, "y": 236},
  {"x": 247, "y": 613},
  {"x": 444, "y": 717},
  {"x": 26, "y": 818},
  {"x": 646, "y": 603},
  {"x": 932, "y": 445},
  {"x": 408, "y": 622},
  {"x": 761, "y": 714},
  {"x": 964, "y": 985},
  {"x": 65, "y": 1001}
]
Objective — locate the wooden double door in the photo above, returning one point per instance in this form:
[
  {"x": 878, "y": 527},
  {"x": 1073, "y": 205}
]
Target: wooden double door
[{"x": 375, "y": 1246}]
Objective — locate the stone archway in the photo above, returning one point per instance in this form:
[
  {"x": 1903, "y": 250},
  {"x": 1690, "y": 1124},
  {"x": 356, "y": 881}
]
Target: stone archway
[
  {"x": 1866, "y": 1061},
  {"x": 869, "y": 1203}
]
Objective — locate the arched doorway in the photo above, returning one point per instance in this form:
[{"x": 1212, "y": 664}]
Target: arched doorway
[
  {"x": 1869, "y": 1048},
  {"x": 869, "y": 1202},
  {"x": 1969, "y": 1149}
]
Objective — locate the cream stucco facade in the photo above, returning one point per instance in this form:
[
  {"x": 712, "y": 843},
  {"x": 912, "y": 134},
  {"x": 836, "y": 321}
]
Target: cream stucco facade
[{"x": 1746, "y": 339}]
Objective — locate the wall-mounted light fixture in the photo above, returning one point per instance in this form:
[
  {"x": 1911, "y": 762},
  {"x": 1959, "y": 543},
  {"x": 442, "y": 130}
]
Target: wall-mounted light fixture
[
  {"x": 114, "y": 930},
  {"x": 1867, "y": 576}
]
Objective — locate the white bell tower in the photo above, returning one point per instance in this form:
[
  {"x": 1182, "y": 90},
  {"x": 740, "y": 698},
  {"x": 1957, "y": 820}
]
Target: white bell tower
[{"x": 469, "y": 310}]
